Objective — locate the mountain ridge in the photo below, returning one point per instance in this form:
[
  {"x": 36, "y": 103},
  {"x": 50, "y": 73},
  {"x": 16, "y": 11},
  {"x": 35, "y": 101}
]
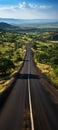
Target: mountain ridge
[
  {"x": 4, "y": 25},
  {"x": 27, "y": 21}
]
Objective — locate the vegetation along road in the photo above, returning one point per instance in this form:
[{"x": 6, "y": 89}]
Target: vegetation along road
[{"x": 29, "y": 104}]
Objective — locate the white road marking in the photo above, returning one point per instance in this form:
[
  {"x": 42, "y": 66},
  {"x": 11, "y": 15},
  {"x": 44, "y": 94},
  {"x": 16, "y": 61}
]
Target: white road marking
[{"x": 30, "y": 104}]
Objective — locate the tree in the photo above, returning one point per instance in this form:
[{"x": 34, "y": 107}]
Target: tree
[{"x": 6, "y": 65}]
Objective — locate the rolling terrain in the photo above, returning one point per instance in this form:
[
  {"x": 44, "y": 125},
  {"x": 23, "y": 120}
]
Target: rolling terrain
[
  {"x": 28, "y": 25},
  {"x": 29, "y": 105},
  {"x": 30, "y": 100}
]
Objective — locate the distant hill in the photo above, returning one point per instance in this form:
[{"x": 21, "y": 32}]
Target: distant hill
[
  {"x": 28, "y": 26},
  {"x": 27, "y": 21},
  {"x": 5, "y": 25}
]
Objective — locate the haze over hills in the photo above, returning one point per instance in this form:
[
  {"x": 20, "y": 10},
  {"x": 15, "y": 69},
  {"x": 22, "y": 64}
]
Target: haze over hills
[
  {"x": 27, "y": 21},
  {"x": 24, "y": 25}
]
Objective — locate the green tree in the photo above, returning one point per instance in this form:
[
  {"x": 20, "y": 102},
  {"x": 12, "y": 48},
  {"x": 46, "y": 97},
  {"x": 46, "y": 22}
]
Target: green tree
[{"x": 6, "y": 65}]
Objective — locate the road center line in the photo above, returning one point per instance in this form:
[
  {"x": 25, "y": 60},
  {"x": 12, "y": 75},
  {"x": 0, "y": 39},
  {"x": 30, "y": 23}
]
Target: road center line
[{"x": 29, "y": 92}]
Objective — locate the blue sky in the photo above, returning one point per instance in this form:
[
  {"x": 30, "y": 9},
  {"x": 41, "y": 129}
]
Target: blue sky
[{"x": 29, "y": 9}]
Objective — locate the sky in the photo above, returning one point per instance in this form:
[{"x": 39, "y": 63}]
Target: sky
[{"x": 29, "y": 9}]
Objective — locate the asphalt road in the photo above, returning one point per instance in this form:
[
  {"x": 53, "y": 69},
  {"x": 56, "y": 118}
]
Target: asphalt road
[{"x": 28, "y": 106}]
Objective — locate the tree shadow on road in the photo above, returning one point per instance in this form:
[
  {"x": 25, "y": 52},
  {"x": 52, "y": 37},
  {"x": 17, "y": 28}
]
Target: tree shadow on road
[
  {"x": 5, "y": 94},
  {"x": 26, "y": 76}
]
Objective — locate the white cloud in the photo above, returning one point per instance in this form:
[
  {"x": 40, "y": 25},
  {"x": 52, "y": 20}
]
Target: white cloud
[
  {"x": 6, "y": 8},
  {"x": 44, "y": 7},
  {"x": 26, "y": 11},
  {"x": 39, "y": 6},
  {"x": 14, "y": 7},
  {"x": 22, "y": 5},
  {"x": 25, "y": 5},
  {"x": 32, "y": 5}
]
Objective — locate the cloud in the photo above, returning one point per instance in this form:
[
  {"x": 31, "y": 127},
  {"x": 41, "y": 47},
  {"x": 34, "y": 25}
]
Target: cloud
[
  {"x": 22, "y": 5},
  {"x": 6, "y": 8},
  {"x": 14, "y": 7},
  {"x": 32, "y": 5},
  {"x": 26, "y": 10},
  {"x": 44, "y": 7},
  {"x": 39, "y": 6}
]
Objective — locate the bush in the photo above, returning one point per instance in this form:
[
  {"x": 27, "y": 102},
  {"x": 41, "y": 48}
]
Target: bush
[
  {"x": 44, "y": 48},
  {"x": 34, "y": 45},
  {"x": 56, "y": 71},
  {"x": 54, "y": 60},
  {"x": 42, "y": 57},
  {"x": 6, "y": 65}
]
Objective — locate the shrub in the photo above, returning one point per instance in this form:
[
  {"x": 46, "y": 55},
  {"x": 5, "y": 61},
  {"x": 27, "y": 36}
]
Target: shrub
[
  {"x": 6, "y": 65},
  {"x": 42, "y": 57}
]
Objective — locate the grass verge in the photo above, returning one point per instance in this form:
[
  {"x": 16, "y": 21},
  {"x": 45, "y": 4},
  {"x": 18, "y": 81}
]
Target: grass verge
[{"x": 48, "y": 71}]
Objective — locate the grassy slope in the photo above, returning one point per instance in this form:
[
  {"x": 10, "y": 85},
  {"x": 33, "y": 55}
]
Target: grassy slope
[
  {"x": 39, "y": 47},
  {"x": 12, "y": 46}
]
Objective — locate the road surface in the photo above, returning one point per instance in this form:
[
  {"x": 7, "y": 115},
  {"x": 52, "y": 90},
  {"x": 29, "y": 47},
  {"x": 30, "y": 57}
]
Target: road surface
[{"x": 28, "y": 106}]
